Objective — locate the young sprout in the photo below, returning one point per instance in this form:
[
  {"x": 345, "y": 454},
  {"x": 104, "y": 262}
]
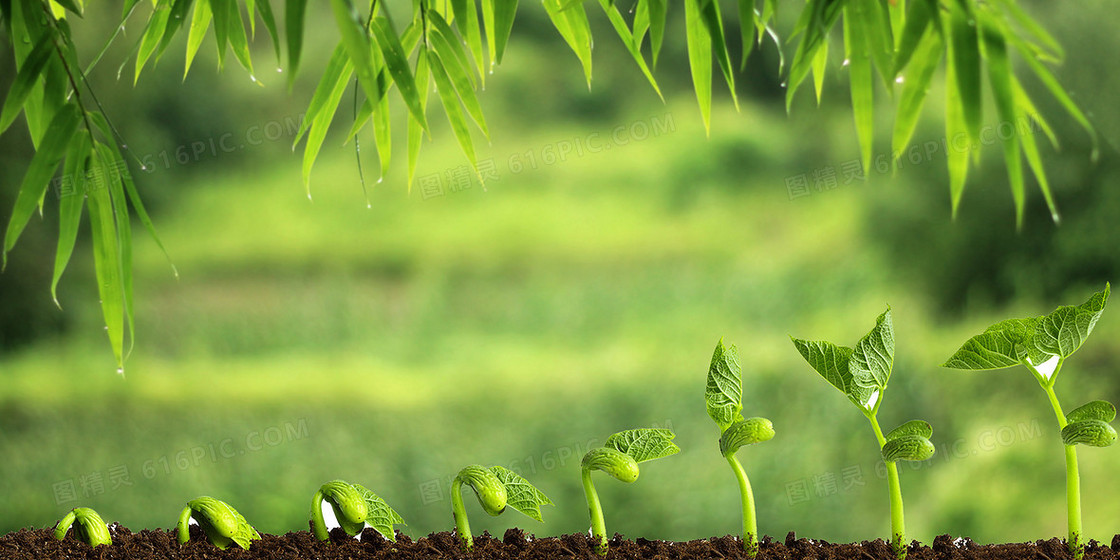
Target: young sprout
[
  {"x": 861, "y": 373},
  {"x": 496, "y": 487},
  {"x": 354, "y": 507},
  {"x": 724, "y": 399},
  {"x": 1041, "y": 345},
  {"x": 221, "y": 523},
  {"x": 619, "y": 457},
  {"x": 88, "y": 527}
]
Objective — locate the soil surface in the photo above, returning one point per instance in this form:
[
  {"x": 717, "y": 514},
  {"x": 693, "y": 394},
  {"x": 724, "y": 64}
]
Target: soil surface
[{"x": 39, "y": 544}]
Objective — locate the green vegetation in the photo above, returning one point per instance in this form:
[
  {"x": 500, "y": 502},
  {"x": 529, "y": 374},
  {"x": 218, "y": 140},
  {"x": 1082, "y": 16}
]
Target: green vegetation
[
  {"x": 88, "y": 527},
  {"x": 724, "y": 400},
  {"x": 861, "y": 374},
  {"x": 619, "y": 457},
  {"x": 222, "y": 524},
  {"x": 354, "y": 507},
  {"x": 496, "y": 487},
  {"x": 1041, "y": 345}
]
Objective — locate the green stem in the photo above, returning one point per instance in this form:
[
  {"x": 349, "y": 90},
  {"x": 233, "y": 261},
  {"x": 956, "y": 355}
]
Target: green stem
[
  {"x": 595, "y": 509},
  {"x": 750, "y": 526},
  {"x": 898, "y": 522},
  {"x": 184, "y": 528},
  {"x": 318, "y": 525},
  {"x": 460, "y": 513},
  {"x": 1073, "y": 479}
]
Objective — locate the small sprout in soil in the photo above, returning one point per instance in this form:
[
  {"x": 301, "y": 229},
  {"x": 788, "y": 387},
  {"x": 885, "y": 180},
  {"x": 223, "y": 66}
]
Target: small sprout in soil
[
  {"x": 724, "y": 399},
  {"x": 619, "y": 457},
  {"x": 354, "y": 507},
  {"x": 88, "y": 527},
  {"x": 496, "y": 487},
  {"x": 221, "y": 523},
  {"x": 861, "y": 373},
  {"x": 1041, "y": 345}
]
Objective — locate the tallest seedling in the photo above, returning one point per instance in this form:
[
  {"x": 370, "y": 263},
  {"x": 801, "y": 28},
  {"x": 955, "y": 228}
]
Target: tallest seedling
[
  {"x": 861, "y": 373},
  {"x": 1042, "y": 344}
]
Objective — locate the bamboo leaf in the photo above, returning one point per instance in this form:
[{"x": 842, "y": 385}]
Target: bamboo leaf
[
  {"x": 956, "y": 131},
  {"x": 153, "y": 33},
  {"x": 628, "y": 39},
  {"x": 862, "y": 85},
  {"x": 396, "y": 62},
  {"x": 178, "y": 14},
  {"x": 915, "y": 85},
  {"x": 497, "y": 16},
  {"x": 966, "y": 65},
  {"x": 1000, "y": 78},
  {"x": 238, "y": 41},
  {"x": 709, "y": 11},
  {"x": 43, "y": 164},
  {"x": 71, "y": 203},
  {"x": 820, "y": 66},
  {"x": 26, "y": 78},
  {"x": 871, "y": 23},
  {"x": 323, "y": 115},
  {"x": 748, "y": 23},
  {"x": 338, "y": 70},
  {"x": 657, "y": 16},
  {"x": 451, "y": 107},
  {"x": 270, "y": 24},
  {"x": 415, "y": 129},
  {"x": 454, "y": 61},
  {"x": 466, "y": 19},
  {"x": 1030, "y": 147},
  {"x": 918, "y": 17},
  {"x": 571, "y": 21},
  {"x": 382, "y": 132},
  {"x": 107, "y": 259},
  {"x": 200, "y": 22},
  {"x": 294, "y": 15},
  {"x": 816, "y": 20},
  {"x": 1016, "y": 13},
  {"x": 220, "y": 10},
  {"x": 111, "y": 179},
  {"x": 699, "y": 59}
]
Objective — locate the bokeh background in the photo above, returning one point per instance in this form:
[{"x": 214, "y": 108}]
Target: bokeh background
[{"x": 581, "y": 292}]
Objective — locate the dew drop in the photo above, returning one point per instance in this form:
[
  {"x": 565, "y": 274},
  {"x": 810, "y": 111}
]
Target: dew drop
[
  {"x": 252, "y": 77},
  {"x": 308, "y": 196},
  {"x": 279, "y": 69},
  {"x": 898, "y": 80},
  {"x": 143, "y": 168},
  {"x": 124, "y": 146},
  {"x": 106, "y": 327},
  {"x": 380, "y": 179},
  {"x": 369, "y": 206},
  {"x": 846, "y": 62},
  {"x": 120, "y": 371},
  {"x": 783, "y": 84}
]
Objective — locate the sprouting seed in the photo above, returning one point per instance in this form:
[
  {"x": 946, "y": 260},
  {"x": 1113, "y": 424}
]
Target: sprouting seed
[
  {"x": 222, "y": 524},
  {"x": 88, "y": 527},
  {"x": 354, "y": 507},
  {"x": 496, "y": 487}
]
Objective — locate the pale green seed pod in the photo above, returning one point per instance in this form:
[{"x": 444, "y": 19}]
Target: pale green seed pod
[
  {"x": 490, "y": 491},
  {"x": 1089, "y": 432},
  {"x": 613, "y": 462},
  {"x": 222, "y": 524},
  {"x": 745, "y": 432},
  {"x": 908, "y": 448},
  {"x": 88, "y": 527},
  {"x": 1095, "y": 410},
  {"x": 347, "y": 501}
]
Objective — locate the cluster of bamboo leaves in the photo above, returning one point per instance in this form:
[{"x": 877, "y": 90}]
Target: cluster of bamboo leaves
[{"x": 452, "y": 45}]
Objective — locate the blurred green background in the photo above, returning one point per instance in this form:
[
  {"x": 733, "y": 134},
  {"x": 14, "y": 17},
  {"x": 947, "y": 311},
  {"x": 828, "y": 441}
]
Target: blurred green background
[{"x": 579, "y": 293}]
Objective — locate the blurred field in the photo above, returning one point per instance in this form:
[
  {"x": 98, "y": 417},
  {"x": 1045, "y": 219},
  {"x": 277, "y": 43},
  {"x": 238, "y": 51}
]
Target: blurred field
[{"x": 520, "y": 323}]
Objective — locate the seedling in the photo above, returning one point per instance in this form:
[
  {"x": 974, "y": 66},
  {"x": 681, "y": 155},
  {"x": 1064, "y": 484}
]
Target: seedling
[
  {"x": 724, "y": 399},
  {"x": 619, "y": 457},
  {"x": 354, "y": 507},
  {"x": 861, "y": 373},
  {"x": 221, "y": 523},
  {"x": 88, "y": 527},
  {"x": 496, "y": 487},
  {"x": 1042, "y": 344}
]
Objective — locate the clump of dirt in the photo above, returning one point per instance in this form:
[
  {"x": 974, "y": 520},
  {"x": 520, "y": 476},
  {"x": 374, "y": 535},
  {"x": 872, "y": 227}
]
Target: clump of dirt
[{"x": 40, "y": 544}]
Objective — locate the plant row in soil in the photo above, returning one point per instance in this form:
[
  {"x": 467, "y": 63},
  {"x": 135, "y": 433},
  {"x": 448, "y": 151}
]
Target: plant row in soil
[{"x": 40, "y": 544}]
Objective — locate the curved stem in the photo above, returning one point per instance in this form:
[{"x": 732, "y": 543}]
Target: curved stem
[
  {"x": 64, "y": 525},
  {"x": 595, "y": 509},
  {"x": 184, "y": 529},
  {"x": 1073, "y": 478},
  {"x": 898, "y": 521},
  {"x": 460, "y": 513},
  {"x": 318, "y": 525},
  {"x": 750, "y": 526}
]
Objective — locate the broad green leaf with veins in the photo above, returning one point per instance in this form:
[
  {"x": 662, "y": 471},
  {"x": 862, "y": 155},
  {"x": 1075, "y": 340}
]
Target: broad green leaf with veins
[
  {"x": 380, "y": 516},
  {"x": 520, "y": 494},
  {"x": 1062, "y": 331},
  {"x": 724, "y": 392},
  {"x": 644, "y": 444},
  {"x": 873, "y": 356}
]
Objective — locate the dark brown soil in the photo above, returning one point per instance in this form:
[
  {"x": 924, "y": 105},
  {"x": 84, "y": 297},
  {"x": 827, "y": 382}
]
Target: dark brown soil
[{"x": 39, "y": 544}]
